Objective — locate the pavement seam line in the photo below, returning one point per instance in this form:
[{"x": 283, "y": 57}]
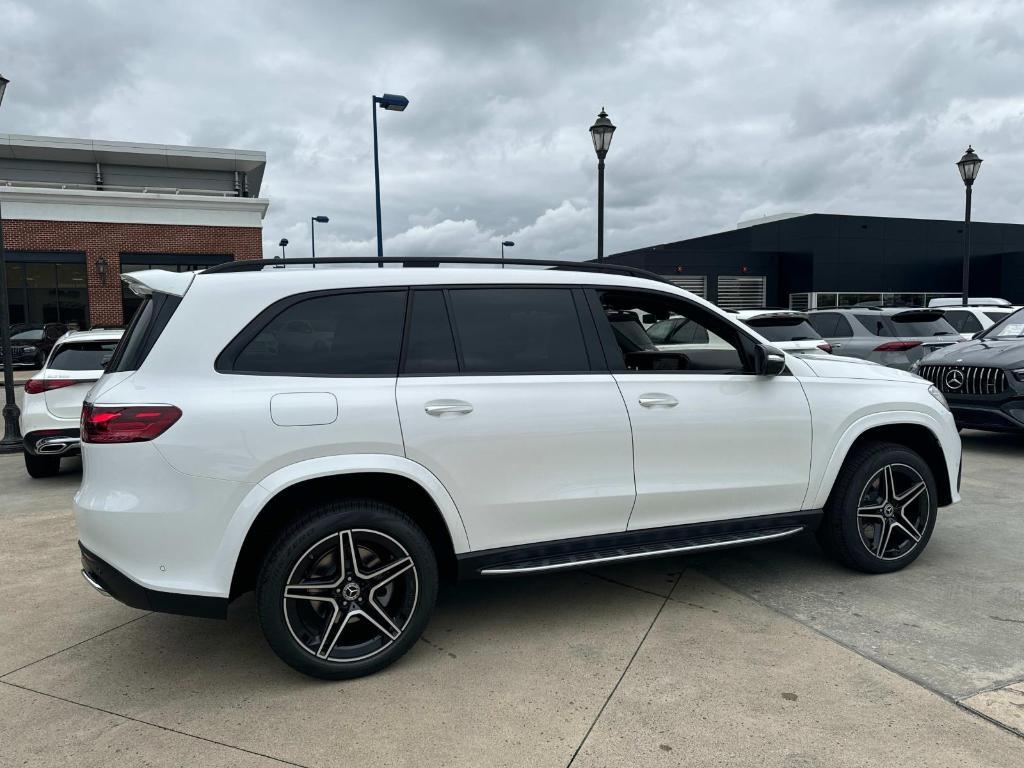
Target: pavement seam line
[
  {"x": 951, "y": 698},
  {"x": 74, "y": 645},
  {"x": 632, "y": 658},
  {"x": 154, "y": 725}
]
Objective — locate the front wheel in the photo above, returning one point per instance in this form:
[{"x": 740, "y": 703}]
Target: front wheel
[
  {"x": 882, "y": 510},
  {"x": 347, "y": 589}
]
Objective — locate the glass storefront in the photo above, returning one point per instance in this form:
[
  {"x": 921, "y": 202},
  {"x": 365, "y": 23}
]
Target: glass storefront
[
  {"x": 828, "y": 300},
  {"x": 181, "y": 262},
  {"x": 48, "y": 288}
]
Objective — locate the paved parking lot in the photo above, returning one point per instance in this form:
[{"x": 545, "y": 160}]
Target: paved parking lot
[{"x": 767, "y": 656}]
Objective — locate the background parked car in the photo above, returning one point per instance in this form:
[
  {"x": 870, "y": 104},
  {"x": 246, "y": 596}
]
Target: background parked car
[
  {"x": 897, "y": 337},
  {"x": 983, "y": 379},
  {"x": 786, "y": 329},
  {"x": 31, "y": 343},
  {"x": 978, "y": 315},
  {"x": 52, "y": 407}
]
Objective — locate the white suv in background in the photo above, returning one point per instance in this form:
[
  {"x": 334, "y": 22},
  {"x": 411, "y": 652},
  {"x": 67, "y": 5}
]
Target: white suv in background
[
  {"x": 52, "y": 406},
  {"x": 468, "y": 422},
  {"x": 979, "y": 314}
]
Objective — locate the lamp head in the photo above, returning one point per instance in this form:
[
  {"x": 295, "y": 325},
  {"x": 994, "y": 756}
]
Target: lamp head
[
  {"x": 321, "y": 219},
  {"x": 392, "y": 102}
]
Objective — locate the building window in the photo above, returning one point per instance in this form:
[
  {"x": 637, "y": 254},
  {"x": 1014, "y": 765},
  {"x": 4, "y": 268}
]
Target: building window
[{"x": 47, "y": 288}]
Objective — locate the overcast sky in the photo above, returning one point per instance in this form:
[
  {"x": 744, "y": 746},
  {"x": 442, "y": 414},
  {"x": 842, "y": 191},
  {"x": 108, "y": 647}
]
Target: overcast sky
[{"x": 725, "y": 111}]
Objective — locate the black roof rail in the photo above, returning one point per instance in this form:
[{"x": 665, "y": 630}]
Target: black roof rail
[{"x": 256, "y": 265}]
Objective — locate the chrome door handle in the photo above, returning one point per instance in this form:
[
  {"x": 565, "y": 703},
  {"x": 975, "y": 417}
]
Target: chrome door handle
[
  {"x": 654, "y": 399},
  {"x": 836, "y": 346},
  {"x": 441, "y": 407}
]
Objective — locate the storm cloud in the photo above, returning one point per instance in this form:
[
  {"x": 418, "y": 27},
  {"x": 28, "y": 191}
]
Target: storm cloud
[{"x": 725, "y": 111}]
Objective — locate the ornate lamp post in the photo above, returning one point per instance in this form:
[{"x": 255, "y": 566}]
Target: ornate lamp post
[
  {"x": 392, "y": 103},
  {"x": 11, "y": 441},
  {"x": 969, "y": 166},
  {"x": 601, "y": 133}
]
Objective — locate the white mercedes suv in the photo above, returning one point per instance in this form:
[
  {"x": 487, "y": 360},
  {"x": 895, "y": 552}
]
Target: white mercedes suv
[{"x": 341, "y": 439}]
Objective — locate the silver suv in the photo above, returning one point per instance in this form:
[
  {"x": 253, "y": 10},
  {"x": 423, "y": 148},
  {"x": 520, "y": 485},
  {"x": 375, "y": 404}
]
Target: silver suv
[{"x": 896, "y": 336}]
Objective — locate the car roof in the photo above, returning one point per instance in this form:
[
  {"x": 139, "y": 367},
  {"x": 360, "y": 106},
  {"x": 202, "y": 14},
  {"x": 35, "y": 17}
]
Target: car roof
[
  {"x": 882, "y": 311},
  {"x": 96, "y": 334},
  {"x": 750, "y": 314}
]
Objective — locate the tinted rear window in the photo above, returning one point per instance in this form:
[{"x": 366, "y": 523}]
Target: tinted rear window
[
  {"x": 519, "y": 330},
  {"x": 995, "y": 317},
  {"x": 430, "y": 347},
  {"x": 921, "y": 324},
  {"x": 81, "y": 355},
  {"x": 784, "y": 328},
  {"x": 357, "y": 333}
]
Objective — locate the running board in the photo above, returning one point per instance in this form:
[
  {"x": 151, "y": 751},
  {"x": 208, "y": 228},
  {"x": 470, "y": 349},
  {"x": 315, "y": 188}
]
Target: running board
[{"x": 602, "y": 556}]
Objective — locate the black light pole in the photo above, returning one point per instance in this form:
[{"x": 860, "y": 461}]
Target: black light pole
[
  {"x": 11, "y": 441},
  {"x": 969, "y": 166},
  {"x": 601, "y": 132},
  {"x": 282, "y": 257},
  {"x": 393, "y": 103},
  {"x": 313, "y": 221},
  {"x": 505, "y": 244}
]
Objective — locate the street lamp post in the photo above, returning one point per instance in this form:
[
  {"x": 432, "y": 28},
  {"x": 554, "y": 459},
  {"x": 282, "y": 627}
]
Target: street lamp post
[
  {"x": 393, "y": 103},
  {"x": 282, "y": 257},
  {"x": 601, "y": 133},
  {"x": 313, "y": 221},
  {"x": 505, "y": 244},
  {"x": 969, "y": 166},
  {"x": 11, "y": 441}
]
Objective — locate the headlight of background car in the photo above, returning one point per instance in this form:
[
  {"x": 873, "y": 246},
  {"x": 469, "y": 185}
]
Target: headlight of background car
[
  {"x": 914, "y": 366},
  {"x": 1018, "y": 374},
  {"x": 28, "y": 350},
  {"x": 934, "y": 392}
]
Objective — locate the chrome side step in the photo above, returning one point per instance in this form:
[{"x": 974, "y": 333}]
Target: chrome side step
[{"x": 635, "y": 553}]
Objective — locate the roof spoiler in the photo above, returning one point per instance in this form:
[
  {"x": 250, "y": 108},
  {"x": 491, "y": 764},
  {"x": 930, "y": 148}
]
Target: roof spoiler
[{"x": 149, "y": 281}]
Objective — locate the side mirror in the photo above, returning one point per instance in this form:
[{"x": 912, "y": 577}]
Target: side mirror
[{"x": 768, "y": 361}]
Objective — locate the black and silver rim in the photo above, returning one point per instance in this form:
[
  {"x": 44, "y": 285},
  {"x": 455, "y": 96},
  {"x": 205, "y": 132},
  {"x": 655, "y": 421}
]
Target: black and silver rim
[
  {"x": 350, "y": 595},
  {"x": 893, "y": 511}
]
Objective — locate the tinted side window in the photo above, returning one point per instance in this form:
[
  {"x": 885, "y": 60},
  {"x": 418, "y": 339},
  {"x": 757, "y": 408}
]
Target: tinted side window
[
  {"x": 824, "y": 323},
  {"x": 957, "y": 319},
  {"x": 843, "y": 329},
  {"x": 874, "y": 324},
  {"x": 430, "y": 347},
  {"x": 518, "y": 330},
  {"x": 342, "y": 334}
]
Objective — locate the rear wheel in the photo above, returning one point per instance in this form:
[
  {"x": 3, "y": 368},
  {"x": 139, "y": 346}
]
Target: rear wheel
[
  {"x": 347, "y": 589},
  {"x": 42, "y": 466},
  {"x": 882, "y": 510}
]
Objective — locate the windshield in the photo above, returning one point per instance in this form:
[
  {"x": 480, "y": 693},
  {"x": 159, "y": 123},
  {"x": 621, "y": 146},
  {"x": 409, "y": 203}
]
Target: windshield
[
  {"x": 922, "y": 324},
  {"x": 784, "y": 328},
  {"x": 1011, "y": 327},
  {"x": 33, "y": 335}
]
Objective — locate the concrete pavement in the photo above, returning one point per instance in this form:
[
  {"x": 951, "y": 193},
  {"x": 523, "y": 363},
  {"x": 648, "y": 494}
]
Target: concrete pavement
[{"x": 751, "y": 657}]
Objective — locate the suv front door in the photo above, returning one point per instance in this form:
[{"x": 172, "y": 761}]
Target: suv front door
[
  {"x": 510, "y": 405},
  {"x": 711, "y": 441}
]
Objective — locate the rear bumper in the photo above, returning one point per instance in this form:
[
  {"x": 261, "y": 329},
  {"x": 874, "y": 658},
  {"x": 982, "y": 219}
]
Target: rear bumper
[
  {"x": 53, "y": 442},
  {"x": 106, "y": 579}
]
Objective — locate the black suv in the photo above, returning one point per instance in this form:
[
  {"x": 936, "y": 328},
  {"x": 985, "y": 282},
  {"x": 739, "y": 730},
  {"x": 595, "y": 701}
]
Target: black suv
[
  {"x": 31, "y": 344},
  {"x": 983, "y": 379}
]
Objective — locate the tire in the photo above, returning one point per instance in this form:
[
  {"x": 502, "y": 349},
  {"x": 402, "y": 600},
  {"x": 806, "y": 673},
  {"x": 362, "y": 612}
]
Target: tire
[
  {"x": 885, "y": 498},
  {"x": 42, "y": 466},
  {"x": 337, "y": 622}
]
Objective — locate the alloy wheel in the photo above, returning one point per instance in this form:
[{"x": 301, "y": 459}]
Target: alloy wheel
[
  {"x": 350, "y": 595},
  {"x": 893, "y": 511}
]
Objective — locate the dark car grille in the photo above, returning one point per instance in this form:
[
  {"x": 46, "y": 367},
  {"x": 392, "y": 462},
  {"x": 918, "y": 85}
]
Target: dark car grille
[{"x": 965, "y": 379}]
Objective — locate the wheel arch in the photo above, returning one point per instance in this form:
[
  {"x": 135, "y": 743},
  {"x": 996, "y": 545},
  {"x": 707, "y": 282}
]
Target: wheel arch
[
  {"x": 910, "y": 432},
  {"x": 395, "y": 480}
]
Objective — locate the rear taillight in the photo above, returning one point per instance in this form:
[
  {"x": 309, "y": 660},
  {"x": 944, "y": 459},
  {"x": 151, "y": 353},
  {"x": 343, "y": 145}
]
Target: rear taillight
[
  {"x": 825, "y": 347},
  {"x": 897, "y": 346},
  {"x": 126, "y": 423},
  {"x": 35, "y": 386}
]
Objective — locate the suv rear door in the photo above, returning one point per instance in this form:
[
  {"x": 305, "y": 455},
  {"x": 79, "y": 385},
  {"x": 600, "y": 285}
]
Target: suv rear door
[
  {"x": 505, "y": 396},
  {"x": 78, "y": 361}
]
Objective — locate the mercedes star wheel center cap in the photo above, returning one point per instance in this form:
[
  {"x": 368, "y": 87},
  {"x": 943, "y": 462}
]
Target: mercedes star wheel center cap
[{"x": 350, "y": 591}]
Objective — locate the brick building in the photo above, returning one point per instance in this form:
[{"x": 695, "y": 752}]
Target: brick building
[{"x": 77, "y": 213}]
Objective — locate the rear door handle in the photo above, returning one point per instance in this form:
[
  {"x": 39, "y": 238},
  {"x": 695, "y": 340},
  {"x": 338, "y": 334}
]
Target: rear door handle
[
  {"x": 441, "y": 407},
  {"x": 655, "y": 399}
]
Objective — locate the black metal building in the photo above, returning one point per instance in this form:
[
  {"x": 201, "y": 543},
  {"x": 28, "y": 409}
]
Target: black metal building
[{"x": 828, "y": 260}]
